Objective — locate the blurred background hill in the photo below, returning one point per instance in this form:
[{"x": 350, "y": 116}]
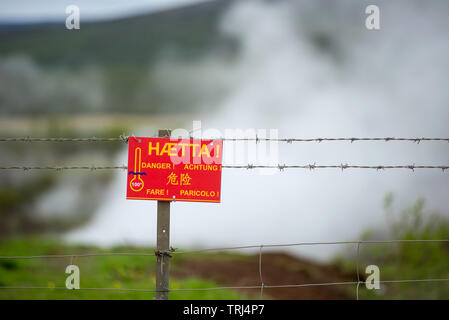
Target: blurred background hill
[{"x": 106, "y": 66}]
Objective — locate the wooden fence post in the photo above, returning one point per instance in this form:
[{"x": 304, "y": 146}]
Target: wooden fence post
[{"x": 163, "y": 242}]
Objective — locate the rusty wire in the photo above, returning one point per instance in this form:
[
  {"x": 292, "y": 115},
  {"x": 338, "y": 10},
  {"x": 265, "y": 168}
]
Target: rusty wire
[
  {"x": 123, "y": 138},
  {"x": 280, "y": 167},
  {"x": 61, "y": 168}
]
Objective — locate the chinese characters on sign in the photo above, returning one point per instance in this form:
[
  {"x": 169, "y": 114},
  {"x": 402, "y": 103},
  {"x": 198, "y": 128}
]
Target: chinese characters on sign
[{"x": 174, "y": 169}]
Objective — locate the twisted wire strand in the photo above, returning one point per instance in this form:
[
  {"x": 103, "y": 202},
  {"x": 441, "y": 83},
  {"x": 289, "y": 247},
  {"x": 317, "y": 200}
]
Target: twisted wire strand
[
  {"x": 258, "y": 287},
  {"x": 125, "y": 139},
  {"x": 60, "y": 168},
  {"x": 248, "y": 167},
  {"x": 60, "y": 139}
]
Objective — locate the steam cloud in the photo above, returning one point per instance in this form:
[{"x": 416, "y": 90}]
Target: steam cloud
[{"x": 311, "y": 69}]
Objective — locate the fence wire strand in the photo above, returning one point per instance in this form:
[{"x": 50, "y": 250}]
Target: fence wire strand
[
  {"x": 221, "y": 249},
  {"x": 262, "y": 284},
  {"x": 301, "y": 285},
  {"x": 91, "y": 139},
  {"x": 61, "y": 168},
  {"x": 358, "y": 270},
  {"x": 279, "y": 167},
  {"x": 125, "y": 139}
]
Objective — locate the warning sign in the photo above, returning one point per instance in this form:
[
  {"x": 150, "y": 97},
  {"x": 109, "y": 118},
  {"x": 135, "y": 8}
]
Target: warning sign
[{"x": 174, "y": 169}]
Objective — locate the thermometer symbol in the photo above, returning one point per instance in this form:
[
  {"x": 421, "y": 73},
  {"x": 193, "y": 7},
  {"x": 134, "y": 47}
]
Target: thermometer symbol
[{"x": 136, "y": 183}]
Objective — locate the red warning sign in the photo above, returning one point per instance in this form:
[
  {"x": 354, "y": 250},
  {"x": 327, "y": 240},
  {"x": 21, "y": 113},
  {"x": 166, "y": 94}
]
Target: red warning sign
[{"x": 174, "y": 169}]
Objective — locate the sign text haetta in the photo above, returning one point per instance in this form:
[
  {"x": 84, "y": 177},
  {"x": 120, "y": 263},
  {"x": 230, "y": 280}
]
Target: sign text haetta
[{"x": 174, "y": 169}]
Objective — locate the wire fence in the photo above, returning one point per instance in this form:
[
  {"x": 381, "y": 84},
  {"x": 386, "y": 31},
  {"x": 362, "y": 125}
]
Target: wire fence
[
  {"x": 261, "y": 285},
  {"x": 357, "y": 282},
  {"x": 248, "y": 166},
  {"x": 125, "y": 139}
]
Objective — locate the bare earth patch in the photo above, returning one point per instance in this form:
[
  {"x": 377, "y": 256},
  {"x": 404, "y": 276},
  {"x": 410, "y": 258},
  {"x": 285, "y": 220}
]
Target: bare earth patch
[{"x": 277, "y": 269}]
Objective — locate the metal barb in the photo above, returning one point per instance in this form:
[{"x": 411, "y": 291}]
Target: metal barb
[
  {"x": 124, "y": 138},
  {"x": 159, "y": 253},
  {"x": 138, "y": 140}
]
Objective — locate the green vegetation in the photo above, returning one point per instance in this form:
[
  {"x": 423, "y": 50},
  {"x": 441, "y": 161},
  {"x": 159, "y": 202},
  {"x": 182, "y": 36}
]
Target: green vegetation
[
  {"x": 117, "y": 272},
  {"x": 406, "y": 261},
  {"x": 397, "y": 261}
]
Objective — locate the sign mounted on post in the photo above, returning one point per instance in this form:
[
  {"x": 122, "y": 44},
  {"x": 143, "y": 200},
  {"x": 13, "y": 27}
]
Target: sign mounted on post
[{"x": 174, "y": 169}]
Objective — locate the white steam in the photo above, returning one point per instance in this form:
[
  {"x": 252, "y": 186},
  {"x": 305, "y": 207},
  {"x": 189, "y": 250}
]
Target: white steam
[
  {"x": 31, "y": 88},
  {"x": 311, "y": 69}
]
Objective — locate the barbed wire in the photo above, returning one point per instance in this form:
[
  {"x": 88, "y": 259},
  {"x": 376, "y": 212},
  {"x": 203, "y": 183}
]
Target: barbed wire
[
  {"x": 338, "y": 166},
  {"x": 123, "y": 138},
  {"x": 348, "y": 139},
  {"x": 61, "y": 168},
  {"x": 89, "y": 139},
  {"x": 280, "y": 167}
]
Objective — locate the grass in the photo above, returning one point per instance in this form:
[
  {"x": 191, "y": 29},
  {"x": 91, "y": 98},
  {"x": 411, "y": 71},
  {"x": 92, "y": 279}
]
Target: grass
[
  {"x": 116, "y": 272},
  {"x": 398, "y": 261},
  {"x": 406, "y": 261}
]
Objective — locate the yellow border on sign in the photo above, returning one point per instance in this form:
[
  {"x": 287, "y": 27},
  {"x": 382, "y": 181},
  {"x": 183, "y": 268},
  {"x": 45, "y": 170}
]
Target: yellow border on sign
[{"x": 171, "y": 199}]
